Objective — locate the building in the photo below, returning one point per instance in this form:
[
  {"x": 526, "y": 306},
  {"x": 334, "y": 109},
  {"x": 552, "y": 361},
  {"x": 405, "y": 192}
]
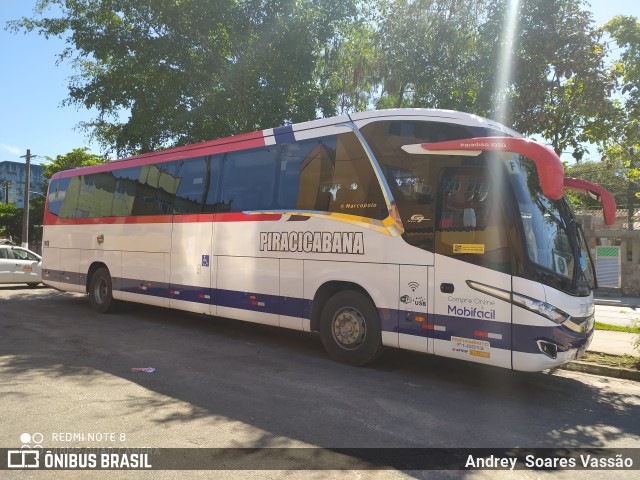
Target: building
[{"x": 12, "y": 180}]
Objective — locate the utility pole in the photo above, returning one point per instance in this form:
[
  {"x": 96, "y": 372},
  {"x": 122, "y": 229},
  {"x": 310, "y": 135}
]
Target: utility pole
[
  {"x": 6, "y": 184},
  {"x": 25, "y": 212},
  {"x": 631, "y": 191}
]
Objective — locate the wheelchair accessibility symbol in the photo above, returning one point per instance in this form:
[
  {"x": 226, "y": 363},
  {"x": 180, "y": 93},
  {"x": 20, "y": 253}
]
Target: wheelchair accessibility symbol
[{"x": 205, "y": 260}]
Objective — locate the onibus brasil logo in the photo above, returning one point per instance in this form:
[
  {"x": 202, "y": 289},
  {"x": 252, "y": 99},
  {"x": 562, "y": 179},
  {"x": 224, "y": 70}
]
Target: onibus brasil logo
[
  {"x": 28, "y": 456},
  {"x": 32, "y": 456}
]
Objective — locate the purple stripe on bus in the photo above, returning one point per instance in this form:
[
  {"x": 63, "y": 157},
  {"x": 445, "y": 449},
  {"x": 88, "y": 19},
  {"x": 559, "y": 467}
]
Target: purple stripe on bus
[
  {"x": 522, "y": 338},
  {"x": 284, "y": 134}
]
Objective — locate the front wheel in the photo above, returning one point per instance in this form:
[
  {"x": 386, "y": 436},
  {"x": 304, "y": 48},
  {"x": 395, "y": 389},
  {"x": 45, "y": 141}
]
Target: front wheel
[
  {"x": 101, "y": 292},
  {"x": 350, "y": 328}
]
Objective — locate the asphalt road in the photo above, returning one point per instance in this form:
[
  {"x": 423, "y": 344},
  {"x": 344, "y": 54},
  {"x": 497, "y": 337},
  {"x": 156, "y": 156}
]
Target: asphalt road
[{"x": 221, "y": 383}]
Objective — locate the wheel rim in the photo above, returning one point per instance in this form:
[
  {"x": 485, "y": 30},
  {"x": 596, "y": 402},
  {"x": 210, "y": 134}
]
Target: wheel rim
[
  {"x": 348, "y": 328},
  {"x": 101, "y": 290}
]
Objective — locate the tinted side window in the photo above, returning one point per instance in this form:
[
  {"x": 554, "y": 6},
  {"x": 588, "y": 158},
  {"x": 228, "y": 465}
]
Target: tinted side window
[
  {"x": 193, "y": 182},
  {"x": 330, "y": 174},
  {"x": 306, "y": 173},
  {"x": 356, "y": 187},
  {"x": 57, "y": 193},
  {"x": 248, "y": 180},
  {"x": 144, "y": 190},
  {"x": 96, "y": 195},
  {"x": 68, "y": 209},
  {"x": 125, "y": 191}
]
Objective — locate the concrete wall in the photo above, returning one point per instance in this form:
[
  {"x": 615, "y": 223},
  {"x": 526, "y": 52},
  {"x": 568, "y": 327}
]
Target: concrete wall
[{"x": 617, "y": 235}]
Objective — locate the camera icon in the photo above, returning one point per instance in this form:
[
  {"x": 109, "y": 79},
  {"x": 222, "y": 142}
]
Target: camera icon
[{"x": 27, "y": 438}]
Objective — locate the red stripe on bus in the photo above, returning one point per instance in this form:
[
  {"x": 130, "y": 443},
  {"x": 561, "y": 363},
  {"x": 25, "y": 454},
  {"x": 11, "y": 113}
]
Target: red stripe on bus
[
  {"x": 231, "y": 144},
  {"x": 50, "y": 219},
  {"x": 247, "y": 217}
]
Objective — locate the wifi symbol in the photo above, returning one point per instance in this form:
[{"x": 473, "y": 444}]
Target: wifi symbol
[{"x": 413, "y": 286}]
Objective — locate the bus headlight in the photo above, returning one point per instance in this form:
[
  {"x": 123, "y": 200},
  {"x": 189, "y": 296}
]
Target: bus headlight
[
  {"x": 541, "y": 308},
  {"x": 580, "y": 324},
  {"x": 577, "y": 324}
]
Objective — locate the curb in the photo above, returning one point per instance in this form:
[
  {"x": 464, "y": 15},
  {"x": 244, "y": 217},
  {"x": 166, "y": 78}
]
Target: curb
[
  {"x": 595, "y": 369},
  {"x": 614, "y": 303}
]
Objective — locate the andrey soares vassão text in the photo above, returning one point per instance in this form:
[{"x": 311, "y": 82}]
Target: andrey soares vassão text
[{"x": 531, "y": 461}]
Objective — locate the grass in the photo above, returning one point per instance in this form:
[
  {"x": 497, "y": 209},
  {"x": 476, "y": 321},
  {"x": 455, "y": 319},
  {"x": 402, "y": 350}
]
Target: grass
[
  {"x": 619, "y": 361},
  {"x": 617, "y": 328}
]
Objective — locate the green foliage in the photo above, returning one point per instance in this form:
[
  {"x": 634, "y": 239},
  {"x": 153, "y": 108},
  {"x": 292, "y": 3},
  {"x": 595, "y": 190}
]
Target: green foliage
[
  {"x": 608, "y": 175},
  {"x": 10, "y": 221},
  {"x": 633, "y": 327},
  {"x": 347, "y": 72},
  {"x": 170, "y": 72},
  {"x": 428, "y": 54},
  {"x": 560, "y": 87},
  {"x": 76, "y": 158},
  {"x": 623, "y": 143},
  {"x": 166, "y": 72}
]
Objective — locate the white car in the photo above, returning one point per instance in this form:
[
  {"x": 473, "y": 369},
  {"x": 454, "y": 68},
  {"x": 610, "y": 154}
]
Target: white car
[{"x": 19, "y": 265}]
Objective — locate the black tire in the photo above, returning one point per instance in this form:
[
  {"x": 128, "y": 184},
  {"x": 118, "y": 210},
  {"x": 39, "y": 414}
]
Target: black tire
[
  {"x": 33, "y": 284},
  {"x": 101, "y": 292},
  {"x": 350, "y": 328}
]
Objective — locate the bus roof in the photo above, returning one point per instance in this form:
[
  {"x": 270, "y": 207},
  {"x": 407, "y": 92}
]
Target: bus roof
[{"x": 283, "y": 134}]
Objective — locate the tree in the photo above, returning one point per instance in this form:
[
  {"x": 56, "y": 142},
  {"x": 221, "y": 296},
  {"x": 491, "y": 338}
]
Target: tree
[
  {"x": 348, "y": 71},
  {"x": 608, "y": 175},
  {"x": 171, "y": 72},
  {"x": 559, "y": 87},
  {"x": 168, "y": 72},
  {"x": 428, "y": 54},
  {"x": 76, "y": 158},
  {"x": 623, "y": 145},
  {"x": 10, "y": 222}
]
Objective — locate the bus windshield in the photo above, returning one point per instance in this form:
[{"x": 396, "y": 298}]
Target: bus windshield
[{"x": 551, "y": 234}]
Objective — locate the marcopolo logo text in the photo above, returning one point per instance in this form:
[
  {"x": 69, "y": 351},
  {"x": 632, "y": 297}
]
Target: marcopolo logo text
[{"x": 313, "y": 242}]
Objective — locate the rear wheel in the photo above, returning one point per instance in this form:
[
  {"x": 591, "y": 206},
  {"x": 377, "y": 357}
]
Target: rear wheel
[
  {"x": 350, "y": 328},
  {"x": 101, "y": 292},
  {"x": 33, "y": 284}
]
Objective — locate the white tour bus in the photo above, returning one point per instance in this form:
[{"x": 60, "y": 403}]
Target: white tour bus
[{"x": 428, "y": 230}]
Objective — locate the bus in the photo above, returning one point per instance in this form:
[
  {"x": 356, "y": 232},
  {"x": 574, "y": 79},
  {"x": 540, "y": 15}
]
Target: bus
[{"x": 427, "y": 230}]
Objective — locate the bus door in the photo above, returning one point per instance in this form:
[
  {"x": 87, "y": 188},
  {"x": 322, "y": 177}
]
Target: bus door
[
  {"x": 472, "y": 264},
  {"x": 193, "y": 266},
  {"x": 415, "y": 324}
]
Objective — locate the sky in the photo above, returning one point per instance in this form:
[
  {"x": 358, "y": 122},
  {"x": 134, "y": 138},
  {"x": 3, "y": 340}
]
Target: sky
[{"x": 33, "y": 87}]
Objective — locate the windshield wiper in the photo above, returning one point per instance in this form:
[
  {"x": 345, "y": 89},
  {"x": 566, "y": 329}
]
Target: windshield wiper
[
  {"x": 573, "y": 233},
  {"x": 571, "y": 227},
  {"x": 586, "y": 247}
]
